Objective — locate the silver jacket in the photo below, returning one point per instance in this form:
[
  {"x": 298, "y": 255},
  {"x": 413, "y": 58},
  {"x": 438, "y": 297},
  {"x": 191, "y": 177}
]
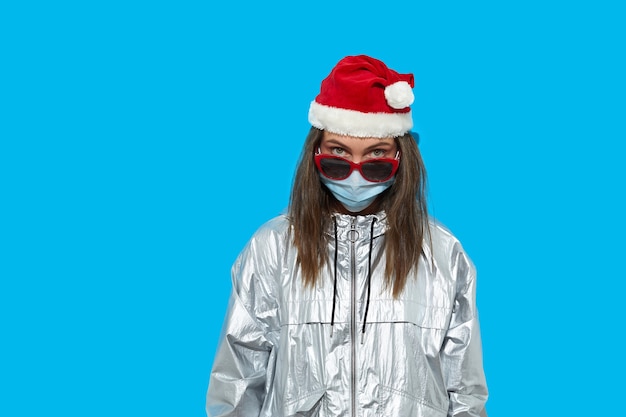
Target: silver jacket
[{"x": 287, "y": 350}]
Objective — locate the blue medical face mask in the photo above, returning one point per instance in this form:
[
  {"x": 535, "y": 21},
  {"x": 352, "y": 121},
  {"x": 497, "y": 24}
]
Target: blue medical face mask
[{"x": 355, "y": 193}]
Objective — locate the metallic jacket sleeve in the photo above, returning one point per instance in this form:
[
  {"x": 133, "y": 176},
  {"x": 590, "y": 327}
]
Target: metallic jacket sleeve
[
  {"x": 462, "y": 351},
  {"x": 237, "y": 386}
]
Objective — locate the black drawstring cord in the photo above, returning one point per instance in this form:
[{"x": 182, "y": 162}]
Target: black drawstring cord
[
  {"x": 369, "y": 278},
  {"x": 332, "y": 319}
]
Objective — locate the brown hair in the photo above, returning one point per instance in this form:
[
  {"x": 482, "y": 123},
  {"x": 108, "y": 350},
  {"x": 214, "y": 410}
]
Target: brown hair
[{"x": 311, "y": 207}]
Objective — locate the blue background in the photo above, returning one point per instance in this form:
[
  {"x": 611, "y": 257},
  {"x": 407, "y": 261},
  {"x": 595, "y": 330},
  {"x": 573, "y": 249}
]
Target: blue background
[{"x": 142, "y": 143}]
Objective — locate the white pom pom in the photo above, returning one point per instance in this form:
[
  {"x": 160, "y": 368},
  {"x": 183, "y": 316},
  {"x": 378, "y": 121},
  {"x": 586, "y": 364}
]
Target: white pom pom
[{"x": 399, "y": 95}]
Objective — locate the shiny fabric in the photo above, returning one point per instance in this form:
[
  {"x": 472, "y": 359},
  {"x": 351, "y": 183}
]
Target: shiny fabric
[{"x": 419, "y": 356}]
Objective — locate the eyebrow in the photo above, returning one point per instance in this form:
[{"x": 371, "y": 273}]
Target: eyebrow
[
  {"x": 337, "y": 142},
  {"x": 378, "y": 146},
  {"x": 381, "y": 144}
]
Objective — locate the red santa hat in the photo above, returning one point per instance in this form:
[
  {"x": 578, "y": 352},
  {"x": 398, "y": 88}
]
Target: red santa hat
[{"x": 362, "y": 97}]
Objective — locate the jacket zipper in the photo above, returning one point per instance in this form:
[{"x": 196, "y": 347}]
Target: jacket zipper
[{"x": 353, "y": 234}]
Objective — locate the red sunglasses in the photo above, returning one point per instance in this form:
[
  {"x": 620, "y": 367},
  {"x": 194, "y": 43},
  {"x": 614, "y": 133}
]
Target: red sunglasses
[{"x": 374, "y": 170}]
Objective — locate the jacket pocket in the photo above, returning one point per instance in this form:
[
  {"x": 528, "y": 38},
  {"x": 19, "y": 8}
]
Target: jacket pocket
[
  {"x": 405, "y": 353},
  {"x": 306, "y": 406},
  {"x": 409, "y": 311},
  {"x": 399, "y": 403},
  {"x": 300, "y": 370}
]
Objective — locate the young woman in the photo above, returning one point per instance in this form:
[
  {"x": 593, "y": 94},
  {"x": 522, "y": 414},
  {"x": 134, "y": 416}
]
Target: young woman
[{"x": 354, "y": 303}]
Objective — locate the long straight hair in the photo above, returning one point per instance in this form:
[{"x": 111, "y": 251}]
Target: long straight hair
[{"x": 311, "y": 210}]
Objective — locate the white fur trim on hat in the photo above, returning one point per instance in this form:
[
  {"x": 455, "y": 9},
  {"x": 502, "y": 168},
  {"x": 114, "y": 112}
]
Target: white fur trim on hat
[
  {"x": 355, "y": 123},
  {"x": 399, "y": 95}
]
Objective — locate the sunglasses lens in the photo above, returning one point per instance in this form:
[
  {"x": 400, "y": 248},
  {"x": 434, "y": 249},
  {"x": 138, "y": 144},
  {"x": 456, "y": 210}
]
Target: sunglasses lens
[
  {"x": 335, "y": 168},
  {"x": 377, "y": 170}
]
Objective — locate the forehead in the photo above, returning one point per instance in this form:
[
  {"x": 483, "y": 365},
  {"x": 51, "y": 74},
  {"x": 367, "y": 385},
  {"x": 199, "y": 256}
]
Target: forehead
[{"x": 354, "y": 141}]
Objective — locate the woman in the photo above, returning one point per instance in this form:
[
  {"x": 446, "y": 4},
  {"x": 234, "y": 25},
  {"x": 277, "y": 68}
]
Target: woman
[{"x": 354, "y": 303}]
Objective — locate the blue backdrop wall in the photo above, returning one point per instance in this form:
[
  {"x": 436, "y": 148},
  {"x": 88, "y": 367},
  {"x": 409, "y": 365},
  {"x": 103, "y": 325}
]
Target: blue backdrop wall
[{"x": 142, "y": 143}]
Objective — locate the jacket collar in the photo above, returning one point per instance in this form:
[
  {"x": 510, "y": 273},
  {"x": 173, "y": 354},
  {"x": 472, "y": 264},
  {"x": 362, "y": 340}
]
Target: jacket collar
[{"x": 362, "y": 224}]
